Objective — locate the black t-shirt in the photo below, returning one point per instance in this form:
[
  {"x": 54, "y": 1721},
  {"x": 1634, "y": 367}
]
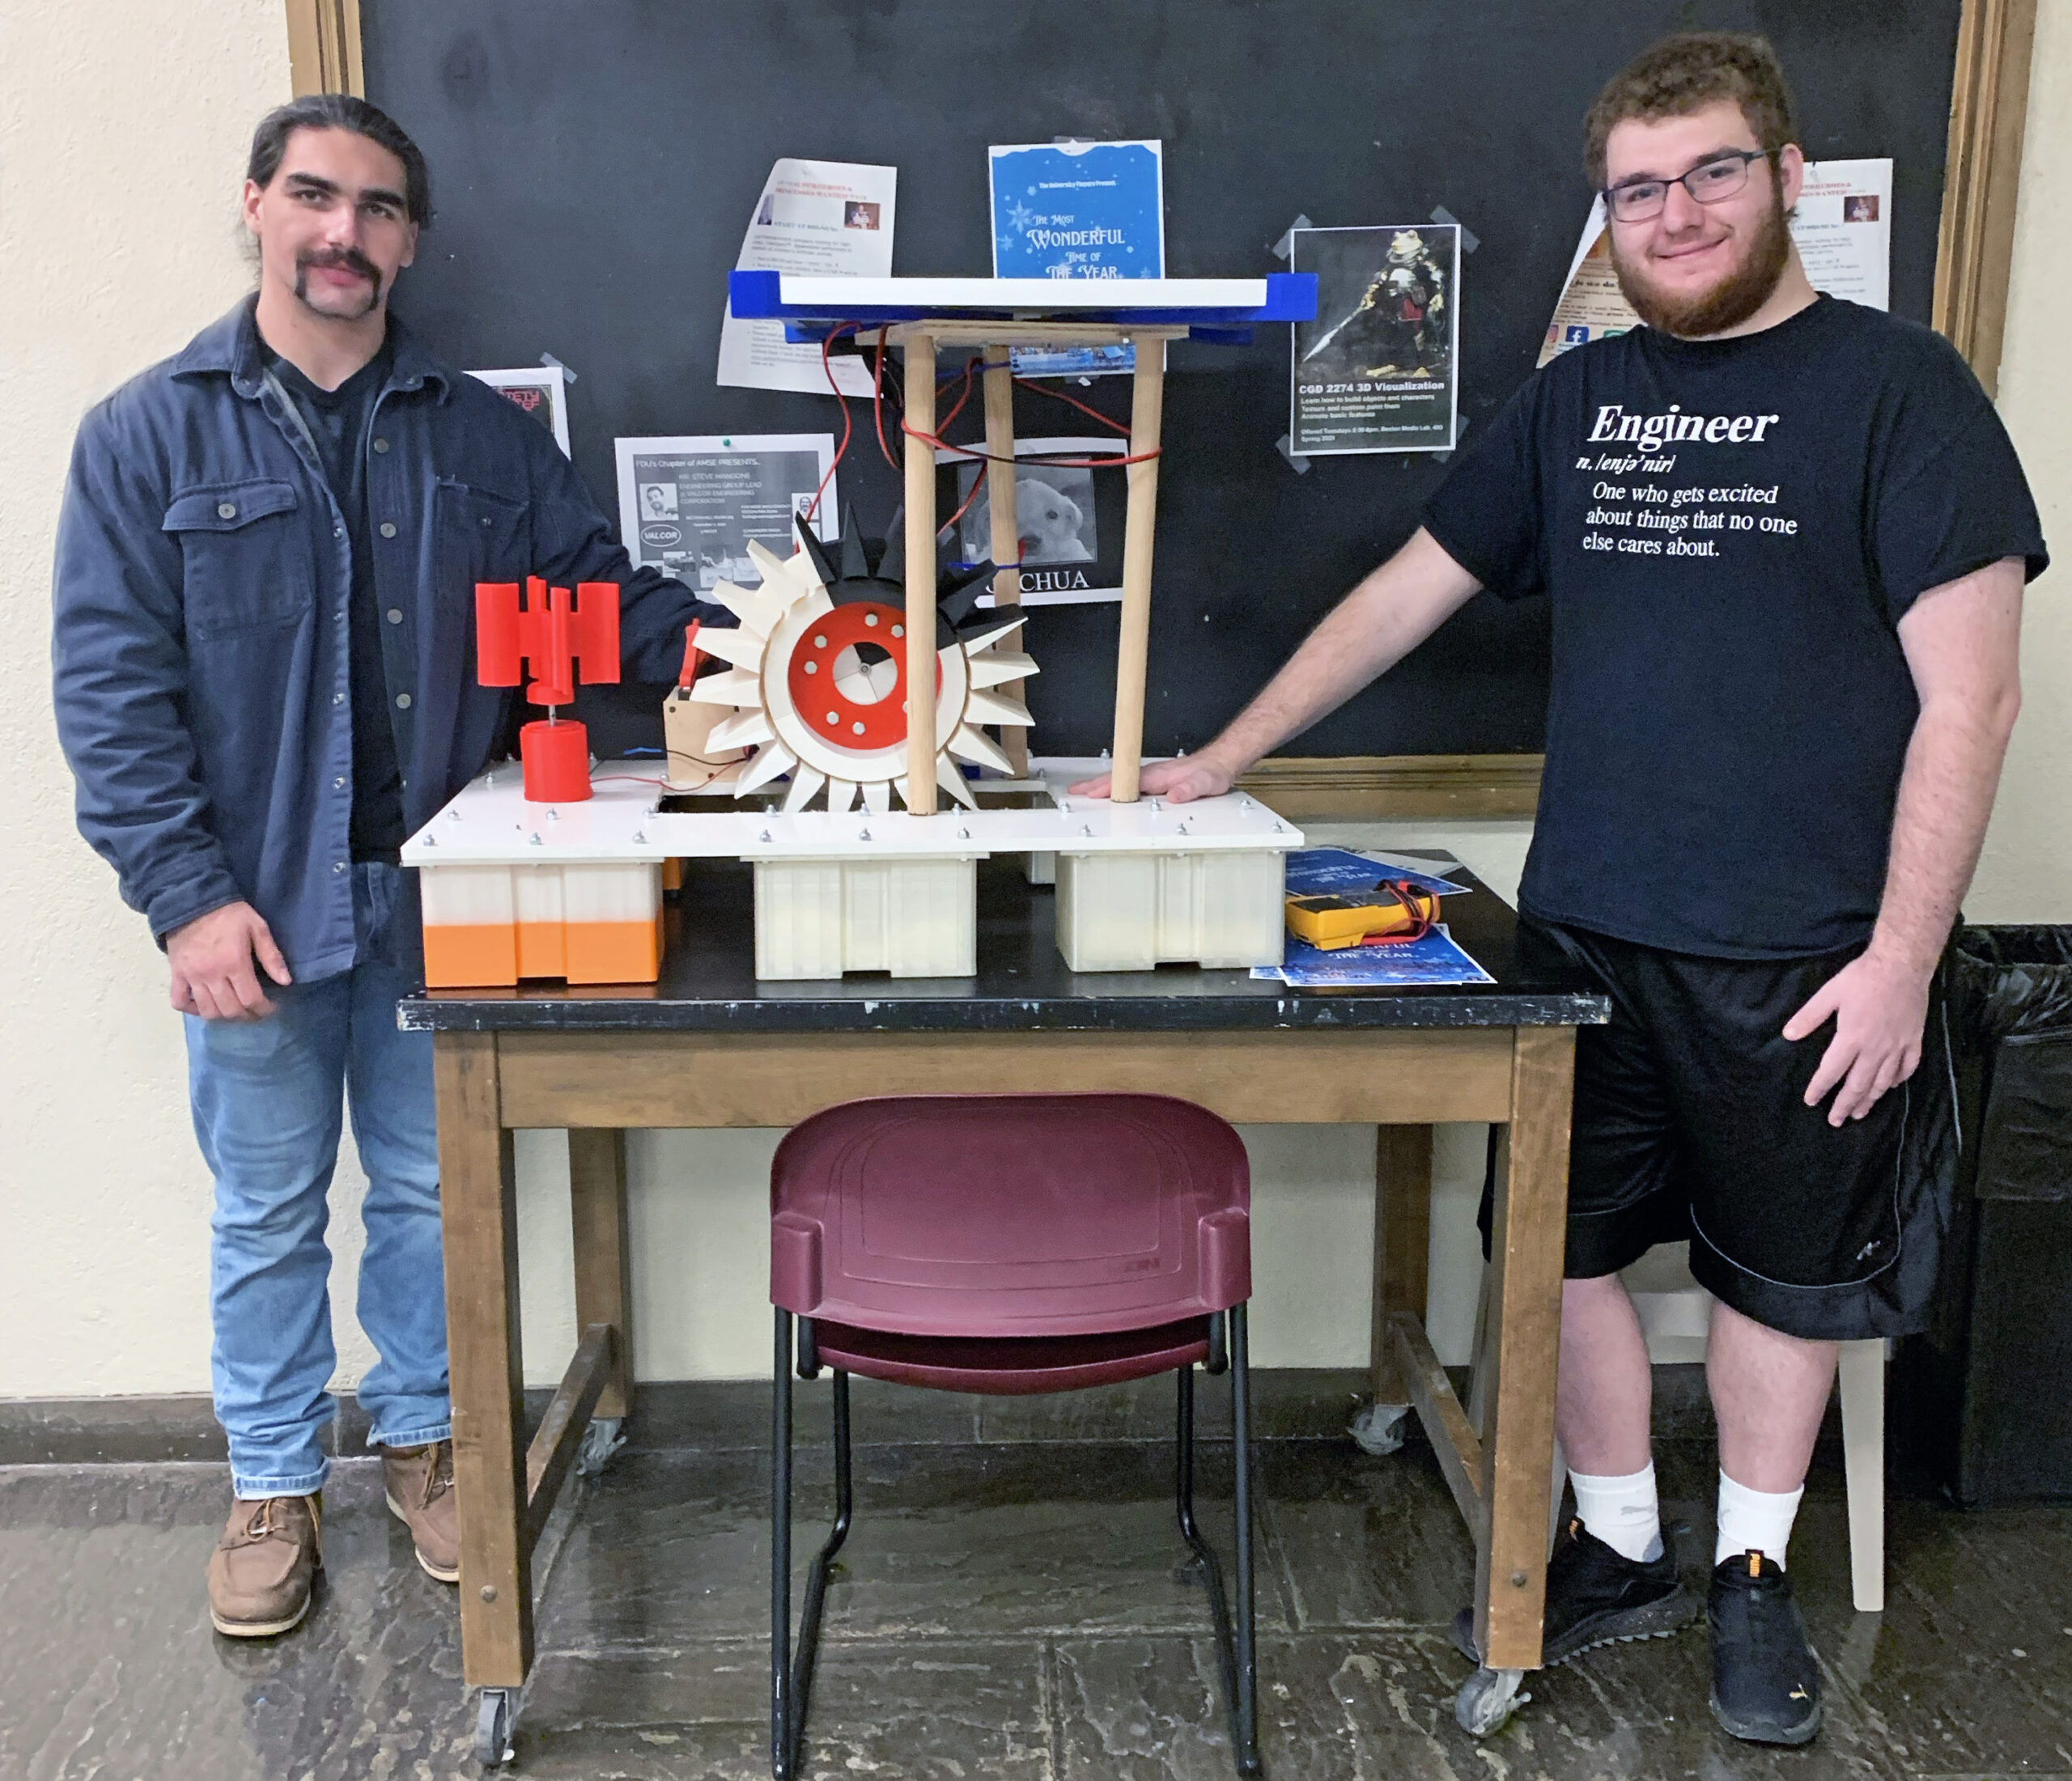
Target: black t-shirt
[
  {"x": 1730, "y": 532},
  {"x": 339, "y": 420}
]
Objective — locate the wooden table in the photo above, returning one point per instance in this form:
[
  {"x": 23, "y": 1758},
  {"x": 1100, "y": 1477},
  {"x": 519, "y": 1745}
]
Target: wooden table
[{"x": 708, "y": 1046}]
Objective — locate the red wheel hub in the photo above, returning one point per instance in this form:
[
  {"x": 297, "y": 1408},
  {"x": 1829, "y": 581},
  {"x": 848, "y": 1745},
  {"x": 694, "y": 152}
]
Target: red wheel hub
[{"x": 830, "y": 712}]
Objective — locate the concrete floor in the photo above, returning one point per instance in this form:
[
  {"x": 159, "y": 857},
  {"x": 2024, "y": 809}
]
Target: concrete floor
[{"x": 1005, "y": 1611}]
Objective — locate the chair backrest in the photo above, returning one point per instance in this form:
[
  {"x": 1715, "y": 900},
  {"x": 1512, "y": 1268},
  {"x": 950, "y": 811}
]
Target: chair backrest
[{"x": 1010, "y": 1215}]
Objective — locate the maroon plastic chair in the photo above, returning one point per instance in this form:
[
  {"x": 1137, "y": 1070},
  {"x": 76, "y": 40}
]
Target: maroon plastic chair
[{"x": 1008, "y": 1243}]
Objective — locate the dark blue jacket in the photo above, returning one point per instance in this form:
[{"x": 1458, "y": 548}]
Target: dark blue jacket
[{"x": 200, "y": 640}]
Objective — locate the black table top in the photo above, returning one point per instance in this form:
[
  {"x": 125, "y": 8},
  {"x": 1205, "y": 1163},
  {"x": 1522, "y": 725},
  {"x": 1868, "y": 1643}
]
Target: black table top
[{"x": 708, "y": 984}]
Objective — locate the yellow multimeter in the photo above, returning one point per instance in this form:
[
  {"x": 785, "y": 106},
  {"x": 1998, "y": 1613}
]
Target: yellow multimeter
[{"x": 1393, "y": 911}]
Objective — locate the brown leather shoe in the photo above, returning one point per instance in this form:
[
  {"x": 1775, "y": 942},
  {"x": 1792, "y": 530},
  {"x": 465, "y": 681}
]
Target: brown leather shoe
[
  {"x": 420, "y": 1485},
  {"x": 261, "y": 1571}
]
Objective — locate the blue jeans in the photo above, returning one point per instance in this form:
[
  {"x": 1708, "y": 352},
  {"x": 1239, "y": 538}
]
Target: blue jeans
[{"x": 268, "y": 1098}]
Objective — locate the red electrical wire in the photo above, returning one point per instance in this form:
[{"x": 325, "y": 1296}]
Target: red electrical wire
[{"x": 814, "y": 505}]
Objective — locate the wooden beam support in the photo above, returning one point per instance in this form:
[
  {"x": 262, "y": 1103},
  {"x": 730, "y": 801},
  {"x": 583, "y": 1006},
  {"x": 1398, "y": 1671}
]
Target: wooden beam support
[
  {"x": 919, "y": 458},
  {"x": 1139, "y": 519},
  {"x": 324, "y": 52},
  {"x": 1003, "y": 509},
  {"x": 1446, "y": 1426},
  {"x": 1332, "y": 1076},
  {"x": 603, "y": 1270},
  {"x": 1528, "y": 1238},
  {"x": 559, "y": 1436},
  {"x": 1989, "y": 115},
  {"x": 478, "y": 1217},
  {"x": 1368, "y": 787},
  {"x": 1403, "y": 1245},
  {"x": 946, "y": 332}
]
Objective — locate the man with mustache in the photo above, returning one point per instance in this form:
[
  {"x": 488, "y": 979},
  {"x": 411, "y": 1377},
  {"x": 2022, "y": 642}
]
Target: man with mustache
[
  {"x": 1785, "y": 538},
  {"x": 263, "y": 653}
]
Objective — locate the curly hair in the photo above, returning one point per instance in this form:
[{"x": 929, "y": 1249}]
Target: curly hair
[{"x": 1684, "y": 73}]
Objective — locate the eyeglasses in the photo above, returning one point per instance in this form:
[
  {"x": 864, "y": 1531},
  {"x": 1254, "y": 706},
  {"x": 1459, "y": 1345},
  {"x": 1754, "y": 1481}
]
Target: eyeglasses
[{"x": 1709, "y": 182}]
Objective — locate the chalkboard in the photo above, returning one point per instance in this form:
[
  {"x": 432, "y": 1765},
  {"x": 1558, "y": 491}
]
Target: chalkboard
[{"x": 594, "y": 167}]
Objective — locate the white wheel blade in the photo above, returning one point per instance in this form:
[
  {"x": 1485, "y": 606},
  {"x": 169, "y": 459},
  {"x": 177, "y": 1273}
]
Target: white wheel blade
[
  {"x": 877, "y": 796},
  {"x": 741, "y": 648},
  {"x": 987, "y": 639},
  {"x": 744, "y": 729},
  {"x": 795, "y": 574},
  {"x": 954, "y": 782},
  {"x": 995, "y": 667},
  {"x": 754, "y": 606},
  {"x": 771, "y": 762},
  {"x": 975, "y": 746},
  {"x": 841, "y": 796},
  {"x": 805, "y": 783},
  {"x": 996, "y": 708}
]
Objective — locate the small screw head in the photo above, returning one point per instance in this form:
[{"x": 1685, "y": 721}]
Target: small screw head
[
  {"x": 537, "y": 841},
  {"x": 489, "y": 1591},
  {"x": 764, "y": 836},
  {"x": 1518, "y": 1580}
]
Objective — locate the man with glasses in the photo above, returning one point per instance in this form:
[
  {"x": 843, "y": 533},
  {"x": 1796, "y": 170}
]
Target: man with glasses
[
  {"x": 263, "y": 648},
  {"x": 1785, "y": 538}
]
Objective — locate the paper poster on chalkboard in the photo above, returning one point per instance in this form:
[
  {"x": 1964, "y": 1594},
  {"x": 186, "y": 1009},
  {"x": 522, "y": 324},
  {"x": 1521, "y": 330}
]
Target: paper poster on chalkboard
[
  {"x": 1078, "y": 210},
  {"x": 541, "y": 391},
  {"x": 1379, "y": 368},
  {"x": 689, "y": 506},
  {"x": 1069, "y": 518}
]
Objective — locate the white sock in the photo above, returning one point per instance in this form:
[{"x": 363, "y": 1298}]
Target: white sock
[
  {"x": 1624, "y": 1513},
  {"x": 1754, "y": 1521}
]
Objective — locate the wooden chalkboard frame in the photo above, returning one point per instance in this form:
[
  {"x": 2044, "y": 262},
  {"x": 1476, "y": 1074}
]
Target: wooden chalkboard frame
[{"x": 1975, "y": 249}]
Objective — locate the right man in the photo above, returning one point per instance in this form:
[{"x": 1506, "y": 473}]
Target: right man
[{"x": 1785, "y": 538}]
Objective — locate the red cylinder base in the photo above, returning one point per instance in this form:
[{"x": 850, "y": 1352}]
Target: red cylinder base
[{"x": 557, "y": 762}]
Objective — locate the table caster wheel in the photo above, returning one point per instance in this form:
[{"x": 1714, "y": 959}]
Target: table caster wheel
[
  {"x": 1486, "y": 1699},
  {"x": 603, "y": 1438},
  {"x": 493, "y": 1718}
]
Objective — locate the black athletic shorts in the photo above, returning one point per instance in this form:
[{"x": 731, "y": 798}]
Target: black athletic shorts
[{"x": 1690, "y": 1122}]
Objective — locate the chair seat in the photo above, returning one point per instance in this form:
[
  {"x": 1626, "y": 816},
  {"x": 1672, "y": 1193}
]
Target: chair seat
[{"x": 1012, "y": 1366}]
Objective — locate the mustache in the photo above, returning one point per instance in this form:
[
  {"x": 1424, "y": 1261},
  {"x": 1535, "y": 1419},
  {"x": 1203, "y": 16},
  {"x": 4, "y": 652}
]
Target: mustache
[{"x": 349, "y": 259}]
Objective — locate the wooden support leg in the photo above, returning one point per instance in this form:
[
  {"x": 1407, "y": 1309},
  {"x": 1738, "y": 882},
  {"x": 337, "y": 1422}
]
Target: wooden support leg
[
  {"x": 479, "y": 1213},
  {"x": 597, "y": 1199},
  {"x": 919, "y": 458},
  {"x": 1527, "y": 1241},
  {"x": 1402, "y": 1245},
  {"x": 1133, "y": 653},
  {"x": 1002, "y": 510}
]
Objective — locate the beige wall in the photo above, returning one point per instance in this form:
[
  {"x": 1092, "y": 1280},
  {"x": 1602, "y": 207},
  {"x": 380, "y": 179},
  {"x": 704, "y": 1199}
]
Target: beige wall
[
  {"x": 2026, "y": 872},
  {"x": 140, "y": 123}
]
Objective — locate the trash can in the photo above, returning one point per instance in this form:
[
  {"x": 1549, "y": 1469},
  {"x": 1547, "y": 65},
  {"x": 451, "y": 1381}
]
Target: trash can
[{"x": 1983, "y": 1399}]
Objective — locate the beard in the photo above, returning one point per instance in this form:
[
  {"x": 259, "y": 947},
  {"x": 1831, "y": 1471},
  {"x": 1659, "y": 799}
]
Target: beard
[
  {"x": 354, "y": 261},
  {"x": 1727, "y": 304}
]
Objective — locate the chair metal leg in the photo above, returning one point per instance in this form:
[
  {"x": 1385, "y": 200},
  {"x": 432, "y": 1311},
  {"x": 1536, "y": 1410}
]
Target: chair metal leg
[
  {"x": 1247, "y": 1740},
  {"x": 1236, "y": 1656},
  {"x": 790, "y": 1677}
]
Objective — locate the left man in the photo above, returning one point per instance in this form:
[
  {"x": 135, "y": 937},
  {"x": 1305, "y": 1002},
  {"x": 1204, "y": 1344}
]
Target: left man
[{"x": 264, "y": 616}]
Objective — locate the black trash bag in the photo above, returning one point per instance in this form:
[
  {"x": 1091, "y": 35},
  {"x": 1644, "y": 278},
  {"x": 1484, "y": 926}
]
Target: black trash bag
[
  {"x": 2013, "y": 988},
  {"x": 1980, "y": 1398}
]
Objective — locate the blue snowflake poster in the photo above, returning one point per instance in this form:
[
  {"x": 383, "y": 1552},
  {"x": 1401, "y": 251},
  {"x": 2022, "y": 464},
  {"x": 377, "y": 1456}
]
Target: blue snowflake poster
[{"x": 1078, "y": 210}]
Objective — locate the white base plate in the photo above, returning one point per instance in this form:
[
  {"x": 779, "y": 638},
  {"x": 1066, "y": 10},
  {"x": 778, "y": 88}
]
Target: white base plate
[{"x": 491, "y": 821}]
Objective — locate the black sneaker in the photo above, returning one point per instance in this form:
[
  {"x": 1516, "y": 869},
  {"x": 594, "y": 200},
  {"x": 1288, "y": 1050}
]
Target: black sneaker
[
  {"x": 1766, "y": 1687},
  {"x": 1595, "y": 1595}
]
